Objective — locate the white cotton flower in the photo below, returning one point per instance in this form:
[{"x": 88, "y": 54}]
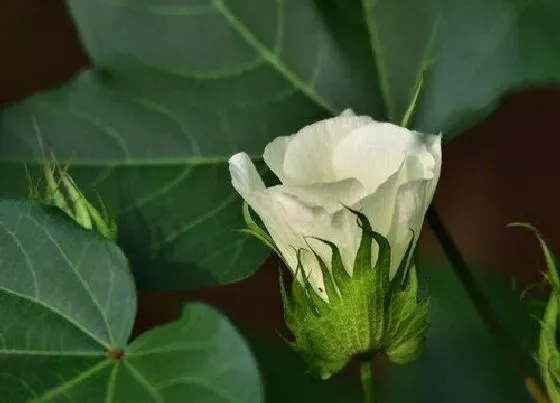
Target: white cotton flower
[
  {"x": 387, "y": 172},
  {"x": 345, "y": 219}
]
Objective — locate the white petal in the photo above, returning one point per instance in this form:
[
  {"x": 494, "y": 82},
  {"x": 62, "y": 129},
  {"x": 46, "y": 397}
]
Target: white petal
[
  {"x": 342, "y": 229},
  {"x": 372, "y": 154},
  {"x": 434, "y": 148},
  {"x": 308, "y": 157},
  {"x": 394, "y": 209},
  {"x": 274, "y": 154},
  {"x": 378, "y": 208},
  {"x": 411, "y": 204},
  {"x": 246, "y": 180},
  {"x": 400, "y": 203},
  {"x": 416, "y": 184},
  {"x": 287, "y": 220},
  {"x": 291, "y": 224},
  {"x": 275, "y": 151},
  {"x": 347, "y": 112},
  {"x": 244, "y": 175},
  {"x": 433, "y": 144},
  {"x": 330, "y": 196},
  {"x": 422, "y": 158}
]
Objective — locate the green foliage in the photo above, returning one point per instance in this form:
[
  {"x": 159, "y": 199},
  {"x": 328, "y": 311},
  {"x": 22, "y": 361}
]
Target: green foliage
[
  {"x": 549, "y": 353},
  {"x": 179, "y": 86},
  {"x": 366, "y": 313},
  {"x": 67, "y": 305},
  {"x": 466, "y": 55}
]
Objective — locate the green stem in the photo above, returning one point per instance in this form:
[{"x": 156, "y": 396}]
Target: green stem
[
  {"x": 481, "y": 304},
  {"x": 367, "y": 380}
]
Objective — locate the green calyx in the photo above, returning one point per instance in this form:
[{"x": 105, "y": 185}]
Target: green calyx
[
  {"x": 366, "y": 313},
  {"x": 61, "y": 191}
]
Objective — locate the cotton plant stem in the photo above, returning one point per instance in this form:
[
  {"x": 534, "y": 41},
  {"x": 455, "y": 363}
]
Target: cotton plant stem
[
  {"x": 481, "y": 304},
  {"x": 367, "y": 381}
]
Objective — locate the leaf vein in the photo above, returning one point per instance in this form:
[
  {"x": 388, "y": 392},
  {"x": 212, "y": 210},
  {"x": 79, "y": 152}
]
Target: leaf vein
[
  {"x": 108, "y": 131},
  {"x": 164, "y": 189},
  {"x": 55, "y": 312},
  {"x": 190, "y": 225},
  {"x": 272, "y": 57},
  {"x": 167, "y": 10},
  {"x": 74, "y": 270},
  {"x": 144, "y": 382},
  {"x": 175, "y": 347},
  {"x": 66, "y": 386},
  {"x": 28, "y": 261}
]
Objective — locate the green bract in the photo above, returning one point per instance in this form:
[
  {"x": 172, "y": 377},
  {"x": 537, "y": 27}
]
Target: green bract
[
  {"x": 549, "y": 354},
  {"x": 61, "y": 191},
  {"x": 366, "y": 312}
]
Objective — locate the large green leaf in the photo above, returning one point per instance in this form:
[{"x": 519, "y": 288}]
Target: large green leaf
[
  {"x": 469, "y": 54},
  {"x": 67, "y": 303},
  {"x": 181, "y": 85},
  {"x": 152, "y": 127}
]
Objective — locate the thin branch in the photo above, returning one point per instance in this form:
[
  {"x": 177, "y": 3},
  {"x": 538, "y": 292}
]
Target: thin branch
[{"x": 481, "y": 304}]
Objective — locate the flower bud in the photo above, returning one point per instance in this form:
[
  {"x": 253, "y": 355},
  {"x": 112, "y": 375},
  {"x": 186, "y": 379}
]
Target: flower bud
[{"x": 61, "y": 191}]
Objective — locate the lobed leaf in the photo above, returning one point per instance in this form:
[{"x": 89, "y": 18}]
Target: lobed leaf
[{"x": 67, "y": 305}]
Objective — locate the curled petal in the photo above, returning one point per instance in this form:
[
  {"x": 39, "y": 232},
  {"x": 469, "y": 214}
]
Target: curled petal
[
  {"x": 371, "y": 154},
  {"x": 308, "y": 156},
  {"x": 244, "y": 176},
  {"x": 330, "y": 196},
  {"x": 284, "y": 217},
  {"x": 274, "y": 154}
]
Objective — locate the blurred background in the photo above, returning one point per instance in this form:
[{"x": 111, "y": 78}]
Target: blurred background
[{"x": 502, "y": 170}]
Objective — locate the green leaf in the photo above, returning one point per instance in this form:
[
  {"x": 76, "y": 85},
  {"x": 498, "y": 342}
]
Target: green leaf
[
  {"x": 151, "y": 126},
  {"x": 467, "y": 54},
  {"x": 200, "y": 358},
  {"x": 67, "y": 305}
]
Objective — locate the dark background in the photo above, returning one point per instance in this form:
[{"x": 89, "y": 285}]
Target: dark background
[{"x": 502, "y": 170}]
